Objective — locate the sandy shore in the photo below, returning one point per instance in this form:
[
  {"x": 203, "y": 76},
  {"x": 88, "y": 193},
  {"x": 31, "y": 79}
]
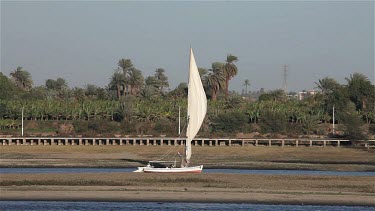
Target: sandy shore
[
  {"x": 225, "y": 188},
  {"x": 202, "y": 196}
]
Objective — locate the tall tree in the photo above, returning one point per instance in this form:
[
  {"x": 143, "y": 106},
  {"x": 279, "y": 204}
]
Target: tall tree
[
  {"x": 246, "y": 84},
  {"x": 8, "y": 89},
  {"x": 360, "y": 90},
  {"x": 327, "y": 85},
  {"x": 51, "y": 84},
  {"x": 230, "y": 70},
  {"x": 61, "y": 83},
  {"x": 202, "y": 71},
  {"x": 22, "y": 78},
  {"x": 126, "y": 66},
  {"x": 162, "y": 78},
  {"x": 136, "y": 81},
  {"x": 215, "y": 79},
  {"x": 57, "y": 84},
  {"x": 159, "y": 81},
  {"x": 117, "y": 82}
]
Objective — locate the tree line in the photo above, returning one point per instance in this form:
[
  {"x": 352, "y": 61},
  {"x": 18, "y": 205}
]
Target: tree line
[{"x": 141, "y": 105}]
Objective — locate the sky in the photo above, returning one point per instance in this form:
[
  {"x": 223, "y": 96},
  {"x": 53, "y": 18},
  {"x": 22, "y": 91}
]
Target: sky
[{"x": 83, "y": 41}]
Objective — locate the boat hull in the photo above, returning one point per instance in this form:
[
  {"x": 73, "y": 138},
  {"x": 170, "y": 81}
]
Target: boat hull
[{"x": 193, "y": 169}]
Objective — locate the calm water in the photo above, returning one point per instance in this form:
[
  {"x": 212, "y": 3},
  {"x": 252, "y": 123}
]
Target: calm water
[
  {"x": 233, "y": 171},
  {"x": 58, "y": 205}
]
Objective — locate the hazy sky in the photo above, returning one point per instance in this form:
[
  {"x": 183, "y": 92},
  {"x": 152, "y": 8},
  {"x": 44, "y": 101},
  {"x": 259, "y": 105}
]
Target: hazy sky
[{"x": 83, "y": 41}]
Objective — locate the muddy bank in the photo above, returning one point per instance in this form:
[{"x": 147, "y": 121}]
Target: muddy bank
[
  {"x": 225, "y": 188},
  {"x": 291, "y": 158}
]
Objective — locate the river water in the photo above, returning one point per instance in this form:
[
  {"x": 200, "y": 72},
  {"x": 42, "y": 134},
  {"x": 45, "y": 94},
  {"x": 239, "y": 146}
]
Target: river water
[
  {"x": 232, "y": 171},
  {"x": 60, "y": 205}
]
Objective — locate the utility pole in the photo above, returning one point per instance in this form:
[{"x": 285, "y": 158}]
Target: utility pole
[
  {"x": 285, "y": 76},
  {"x": 333, "y": 123},
  {"x": 22, "y": 122},
  {"x": 179, "y": 121}
]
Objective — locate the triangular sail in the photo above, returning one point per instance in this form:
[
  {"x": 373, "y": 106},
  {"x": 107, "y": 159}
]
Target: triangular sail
[{"x": 197, "y": 104}]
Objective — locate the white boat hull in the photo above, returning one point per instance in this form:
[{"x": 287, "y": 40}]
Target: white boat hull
[{"x": 193, "y": 169}]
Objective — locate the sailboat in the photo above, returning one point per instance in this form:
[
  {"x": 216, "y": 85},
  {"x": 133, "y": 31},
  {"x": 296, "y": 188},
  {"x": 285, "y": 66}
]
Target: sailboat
[{"x": 197, "y": 108}]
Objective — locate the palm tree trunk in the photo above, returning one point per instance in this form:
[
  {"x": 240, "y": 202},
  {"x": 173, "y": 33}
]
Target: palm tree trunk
[
  {"x": 118, "y": 91},
  {"x": 227, "y": 88}
]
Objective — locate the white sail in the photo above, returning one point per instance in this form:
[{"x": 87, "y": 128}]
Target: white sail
[{"x": 197, "y": 104}]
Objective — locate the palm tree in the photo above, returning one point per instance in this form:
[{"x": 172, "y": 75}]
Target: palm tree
[
  {"x": 126, "y": 66},
  {"x": 202, "y": 71},
  {"x": 149, "y": 92},
  {"x": 162, "y": 78},
  {"x": 117, "y": 81},
  {"x": 327, "y": 85},
  {"x": 215, "y": 79},
  {"x": 136, "y": 81},
  {"x": 22, "y": 78},
  {"x": 246, "y": 84},
  {"x": 278, "y": 95},
  {"x": 230, "y": 70},
  {"x": 360, "y": 89}
]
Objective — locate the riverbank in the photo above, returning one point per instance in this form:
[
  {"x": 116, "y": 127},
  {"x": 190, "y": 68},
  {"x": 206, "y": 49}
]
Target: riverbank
[
  {"x": 223, "y": 188},
  {"x": 208, "y": 187},
  {"x": 294, "y": 158}
]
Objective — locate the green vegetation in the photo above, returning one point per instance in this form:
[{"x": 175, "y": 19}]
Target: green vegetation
[{"x": 132, "y": 104}]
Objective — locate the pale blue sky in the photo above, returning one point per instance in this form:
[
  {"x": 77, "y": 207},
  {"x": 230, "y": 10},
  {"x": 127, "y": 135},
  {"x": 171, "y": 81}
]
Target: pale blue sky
[{"x": 83, "y": 41}]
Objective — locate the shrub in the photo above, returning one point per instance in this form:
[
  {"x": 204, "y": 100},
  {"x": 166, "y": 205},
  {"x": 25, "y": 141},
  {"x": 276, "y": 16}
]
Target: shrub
[
  {"x": 371, "y": 129},
  {"x": 273, "y": 122},
  {"x": 230, "y": 122},
  {"x": 163, "y": 125},
  {"x": 80, "y": 126},
  {"x": 353, "y": 125}
]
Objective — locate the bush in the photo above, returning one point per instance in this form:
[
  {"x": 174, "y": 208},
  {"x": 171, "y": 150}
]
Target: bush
[
  {"x": 97, "y": 126},
  {"x": 3, "y": 110},
  {"x": 163, "y": 125},
  {"x": 129, "y": 127},
  {"x": 230, "y": 122},
  {"x": 273, "y": 122},
  {"x": 353, "y": 125},
  {"x": 371, "y": 129},
  {"x": 80, "y": 126}
]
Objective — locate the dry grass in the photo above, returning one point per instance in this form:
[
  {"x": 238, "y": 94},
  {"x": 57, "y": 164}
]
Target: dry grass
[
  {"x": 319, "y": 158},
  {"x": 362, "y": 184},
  {"x": 234, "y": 188}
]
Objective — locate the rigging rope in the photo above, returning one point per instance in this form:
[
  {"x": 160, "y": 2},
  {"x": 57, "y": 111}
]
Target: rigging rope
[{"x": 172, "y": 148}]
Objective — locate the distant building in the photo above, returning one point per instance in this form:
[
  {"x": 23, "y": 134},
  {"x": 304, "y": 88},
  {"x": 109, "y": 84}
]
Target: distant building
[
  {"x": 292, "y": 96},
  {"x": 301, "y": 95},
  {"x": 304, "y": 94}
]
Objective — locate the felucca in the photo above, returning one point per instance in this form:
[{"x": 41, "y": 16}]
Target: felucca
[{"x": 197, "y": 108}]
